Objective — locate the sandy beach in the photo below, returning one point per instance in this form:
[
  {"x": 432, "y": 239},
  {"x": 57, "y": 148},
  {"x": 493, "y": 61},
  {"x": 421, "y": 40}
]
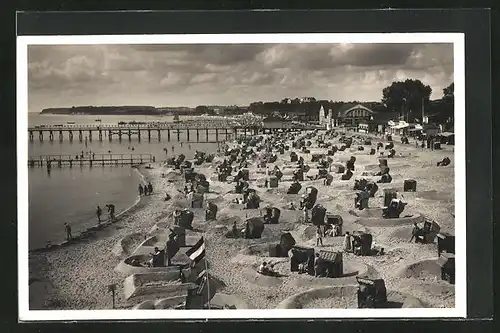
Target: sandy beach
[{"x": 77, "y": 276}]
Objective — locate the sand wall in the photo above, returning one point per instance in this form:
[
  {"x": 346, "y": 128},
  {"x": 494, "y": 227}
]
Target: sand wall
[{"x": 348, "y": 294}]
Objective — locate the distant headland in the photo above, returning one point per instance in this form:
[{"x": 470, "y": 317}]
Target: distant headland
[{"x": 115, "y": 110}]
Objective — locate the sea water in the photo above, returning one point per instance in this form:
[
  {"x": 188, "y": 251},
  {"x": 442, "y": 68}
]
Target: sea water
[{"x": 71, "y": 194}]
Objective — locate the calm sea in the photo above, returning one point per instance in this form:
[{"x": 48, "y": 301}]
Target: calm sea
[{"x": 72, "y": 194}]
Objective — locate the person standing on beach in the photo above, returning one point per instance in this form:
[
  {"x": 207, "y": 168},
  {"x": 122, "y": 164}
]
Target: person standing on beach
[
  {"x": 150, "y": 188},
  {"x": 98, "y": 213},
  {"x": 111, "y": 211},
  {"x": 306, "y": 217},
  {"x": 173, "y": 149},
  {"x": 67, "y": 229},
  {"x": 319, "y": 236},
  {"x": 317, "y": 265},
  {"x": 347, "y": 242},
  {"x": 141, "y": 190},
  {"x": 235, "y": 230}
]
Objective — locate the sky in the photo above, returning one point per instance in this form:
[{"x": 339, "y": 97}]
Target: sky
[{"x": 230, "y": 74}]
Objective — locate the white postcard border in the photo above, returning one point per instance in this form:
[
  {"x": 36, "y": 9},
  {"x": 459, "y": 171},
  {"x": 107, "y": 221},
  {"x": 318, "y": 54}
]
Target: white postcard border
[{"x": 458, "y": 39}]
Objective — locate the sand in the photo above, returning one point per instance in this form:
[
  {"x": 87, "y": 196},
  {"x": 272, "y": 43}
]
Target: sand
[{"x": 79, "y": 274}]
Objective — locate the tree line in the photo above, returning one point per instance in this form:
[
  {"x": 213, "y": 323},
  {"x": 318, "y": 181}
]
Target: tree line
[{"x": 402, "y": 98}]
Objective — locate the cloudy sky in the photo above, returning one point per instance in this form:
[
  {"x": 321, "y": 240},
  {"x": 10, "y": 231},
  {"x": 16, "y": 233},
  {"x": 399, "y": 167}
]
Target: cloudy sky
[{"x": 190, "y": 75}]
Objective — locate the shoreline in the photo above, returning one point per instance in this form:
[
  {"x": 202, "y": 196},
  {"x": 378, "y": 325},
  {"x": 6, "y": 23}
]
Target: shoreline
[
  {"x": 104, "y": 224},
  {"x": 40, "y": 279}
]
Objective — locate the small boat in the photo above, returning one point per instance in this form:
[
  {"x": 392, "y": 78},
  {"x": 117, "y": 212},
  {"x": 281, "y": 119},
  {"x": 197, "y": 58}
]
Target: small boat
[
  {"x": 98, "y": 120},
  {"x": 70, "y": 123}
]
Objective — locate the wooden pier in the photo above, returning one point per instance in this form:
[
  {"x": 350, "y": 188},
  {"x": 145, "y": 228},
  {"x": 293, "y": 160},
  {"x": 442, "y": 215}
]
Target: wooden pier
[
  {"x": 59, "y": 161},
  {"x": 220, "y": 131}
]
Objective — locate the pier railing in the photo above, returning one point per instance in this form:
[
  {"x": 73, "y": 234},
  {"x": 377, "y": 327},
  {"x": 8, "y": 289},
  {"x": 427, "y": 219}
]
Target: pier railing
[
  {"x": 223, "y": 130},
  {"x": 88, "y": 160},
  {"x": 214, "y": 124}
]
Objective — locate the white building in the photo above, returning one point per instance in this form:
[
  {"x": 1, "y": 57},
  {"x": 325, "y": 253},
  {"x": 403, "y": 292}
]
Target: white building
[
  {"x": 307, "y": 99},
  {"x": 326, "y": 119}
]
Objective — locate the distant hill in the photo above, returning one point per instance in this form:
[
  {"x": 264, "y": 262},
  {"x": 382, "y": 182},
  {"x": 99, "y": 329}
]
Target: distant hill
[{"x": 105, "y": 110}]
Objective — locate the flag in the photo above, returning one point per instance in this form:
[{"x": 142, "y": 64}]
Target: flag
[{"x": 197, "y": 252}]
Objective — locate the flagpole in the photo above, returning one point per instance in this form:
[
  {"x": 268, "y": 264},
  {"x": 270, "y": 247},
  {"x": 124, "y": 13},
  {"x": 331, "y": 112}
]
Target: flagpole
[{"x": 422, "y": 110}]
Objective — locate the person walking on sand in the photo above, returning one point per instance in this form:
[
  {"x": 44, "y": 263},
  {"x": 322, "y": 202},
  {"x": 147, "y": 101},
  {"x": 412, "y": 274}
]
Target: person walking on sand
[
  {"x": 98, "y": 213},
  {"x": 319, "y": 236},
  {"x": 141, "y": 190},
  {"x": 173, "y": 149},
  {"x": 67, "y": 229},
  {"x": 347, "y": 242},
  {"x": 150, "y": 188}
]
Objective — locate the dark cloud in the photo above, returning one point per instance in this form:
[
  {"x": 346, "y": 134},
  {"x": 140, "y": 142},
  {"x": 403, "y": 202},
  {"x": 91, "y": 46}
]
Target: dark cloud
[
  {"x": 369, "y": 55},
  {"x": 230, "y": 73}
]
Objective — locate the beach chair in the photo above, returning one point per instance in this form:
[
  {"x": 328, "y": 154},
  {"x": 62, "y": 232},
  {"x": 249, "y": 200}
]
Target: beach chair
[{"x": 372, "y": 293}]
